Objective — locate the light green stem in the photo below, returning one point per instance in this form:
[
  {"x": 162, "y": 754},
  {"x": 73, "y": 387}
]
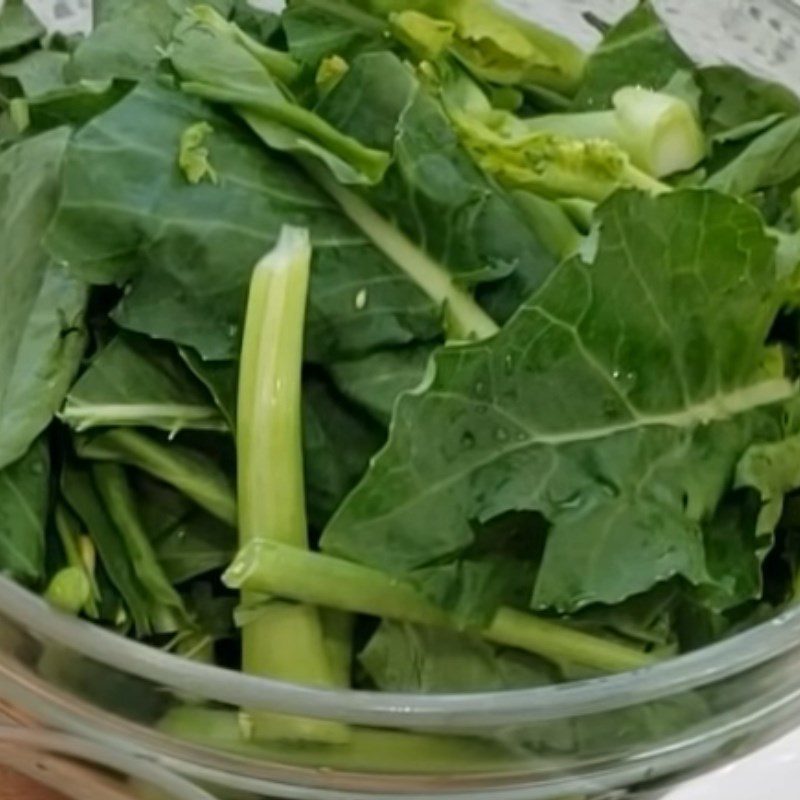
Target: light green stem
[
  {"x": 285, "y": 640},
  {"x": 112, "y": 485},
  {"x": 325, "y": 581},
  {"x": 193, "y": 475},
  {"x": 468, "y": 321}
]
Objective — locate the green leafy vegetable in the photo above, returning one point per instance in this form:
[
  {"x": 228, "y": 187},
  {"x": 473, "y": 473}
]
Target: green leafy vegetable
[
  {"x": 513, "y": 399},
  {"x": 38, "y": 72},
  {"x": 215, "y": 60},
  {"x": 79, "y": 553},
  {"x": 112, "y": 486},
  {"x": 377, "y": 380},
  {"x": 316, "y": 28},
  {"x": 80, "y": 493},
  {"x": 24, "y": 507},
  {"x": 19, "y": 26},
  {"x": 136, "y": 382},
  {"x": 771, "y": 159},
  {"x": 658, "y": 131},
  {"x": 72, "y": 104},
  {"x": 417, "y": 659},
  {"x": 637, "y": 51},
  {"x": 495, "y": 45},
  {"x": 733, "y": 99},
  {"x": 41, "y": 306},
  {"x": 188, "y": 263},
  {"x": 382, "y": 103},
  {"x": 198, "y": 544},
  {"x": 338, "y": 443},
  {"x": 128, "y": 40},
  {"x": 624, "y": 411}
]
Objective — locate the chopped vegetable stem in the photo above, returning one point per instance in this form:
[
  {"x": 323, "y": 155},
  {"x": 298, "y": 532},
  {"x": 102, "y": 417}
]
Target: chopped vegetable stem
[
  {"x": 284, "y": 640},
  {"x": 322, "y": 580}
]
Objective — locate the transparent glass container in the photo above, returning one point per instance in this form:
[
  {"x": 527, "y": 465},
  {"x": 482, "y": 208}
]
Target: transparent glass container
[{"x": 631, "y": 736}]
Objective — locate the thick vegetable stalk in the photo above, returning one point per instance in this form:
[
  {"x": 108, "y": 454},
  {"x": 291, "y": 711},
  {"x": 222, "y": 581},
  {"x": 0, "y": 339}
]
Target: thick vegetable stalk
[
  {"x": 284, "y": 640},
  {"x": 587, "y": 156},
  {"x": 286, "y": 571},
  {"x": 660, "y": 133}
]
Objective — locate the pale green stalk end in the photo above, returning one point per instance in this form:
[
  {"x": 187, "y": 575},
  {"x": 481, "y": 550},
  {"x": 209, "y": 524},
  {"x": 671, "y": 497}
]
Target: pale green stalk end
[{"x": 661, "y": 132}]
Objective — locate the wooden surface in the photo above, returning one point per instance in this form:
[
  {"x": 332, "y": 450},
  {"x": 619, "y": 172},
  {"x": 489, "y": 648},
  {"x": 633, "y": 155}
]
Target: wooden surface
[{"x": 13, "y": 787}]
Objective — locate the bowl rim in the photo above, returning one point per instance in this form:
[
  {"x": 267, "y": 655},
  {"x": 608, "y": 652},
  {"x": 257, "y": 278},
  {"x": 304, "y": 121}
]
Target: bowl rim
[{"x": 718, "y": 662}]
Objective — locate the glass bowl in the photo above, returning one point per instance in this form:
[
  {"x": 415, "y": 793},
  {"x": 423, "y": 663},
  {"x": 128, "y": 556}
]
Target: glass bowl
[{"x": 629, "y": 736}]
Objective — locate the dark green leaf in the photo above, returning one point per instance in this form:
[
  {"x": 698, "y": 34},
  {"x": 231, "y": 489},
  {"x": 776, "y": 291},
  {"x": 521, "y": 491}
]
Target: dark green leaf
[
  {"x": 316, "y": 29},
  {"x": 773, "y": 471},
  {"x": 19, "y": 26},
  {"x": 417, "y": 660},
  {"x": 771, "y": 159},
  {"x": 337, "y": 441},
  {"x": 24, "y": 505},
  {"x": 37, "y": 73},
  {"x": 732, "y": 98},
  {"x": 73, "y": 104},
  {"x": 434, "y": 191},
  {"x": 214, "y": 612},
  {"x": 196, "y": 545},
  {"x": 161, "y": 507},
  {"x": 167, "y": 611},
  {"x": 128, "y": 40},
  {"x": 377, "y": 380},
  {"x": 616, "y": 403},
  {"x": 216, "y": 60},
  {"x": 140, "y": 383},
  {"x": 256, "y": 22},
  {"x": 221, "y": 379},
  {"x": 42, "y": 337},
  {"x": 81, "y": 494},
  {"x": 648, "y": 618},
  {"x": 338, "y": 444},
  {"x": 735, "y": 549},
  {"x": 637, "y": 51},
  {"x": 127, "y": 212}
]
